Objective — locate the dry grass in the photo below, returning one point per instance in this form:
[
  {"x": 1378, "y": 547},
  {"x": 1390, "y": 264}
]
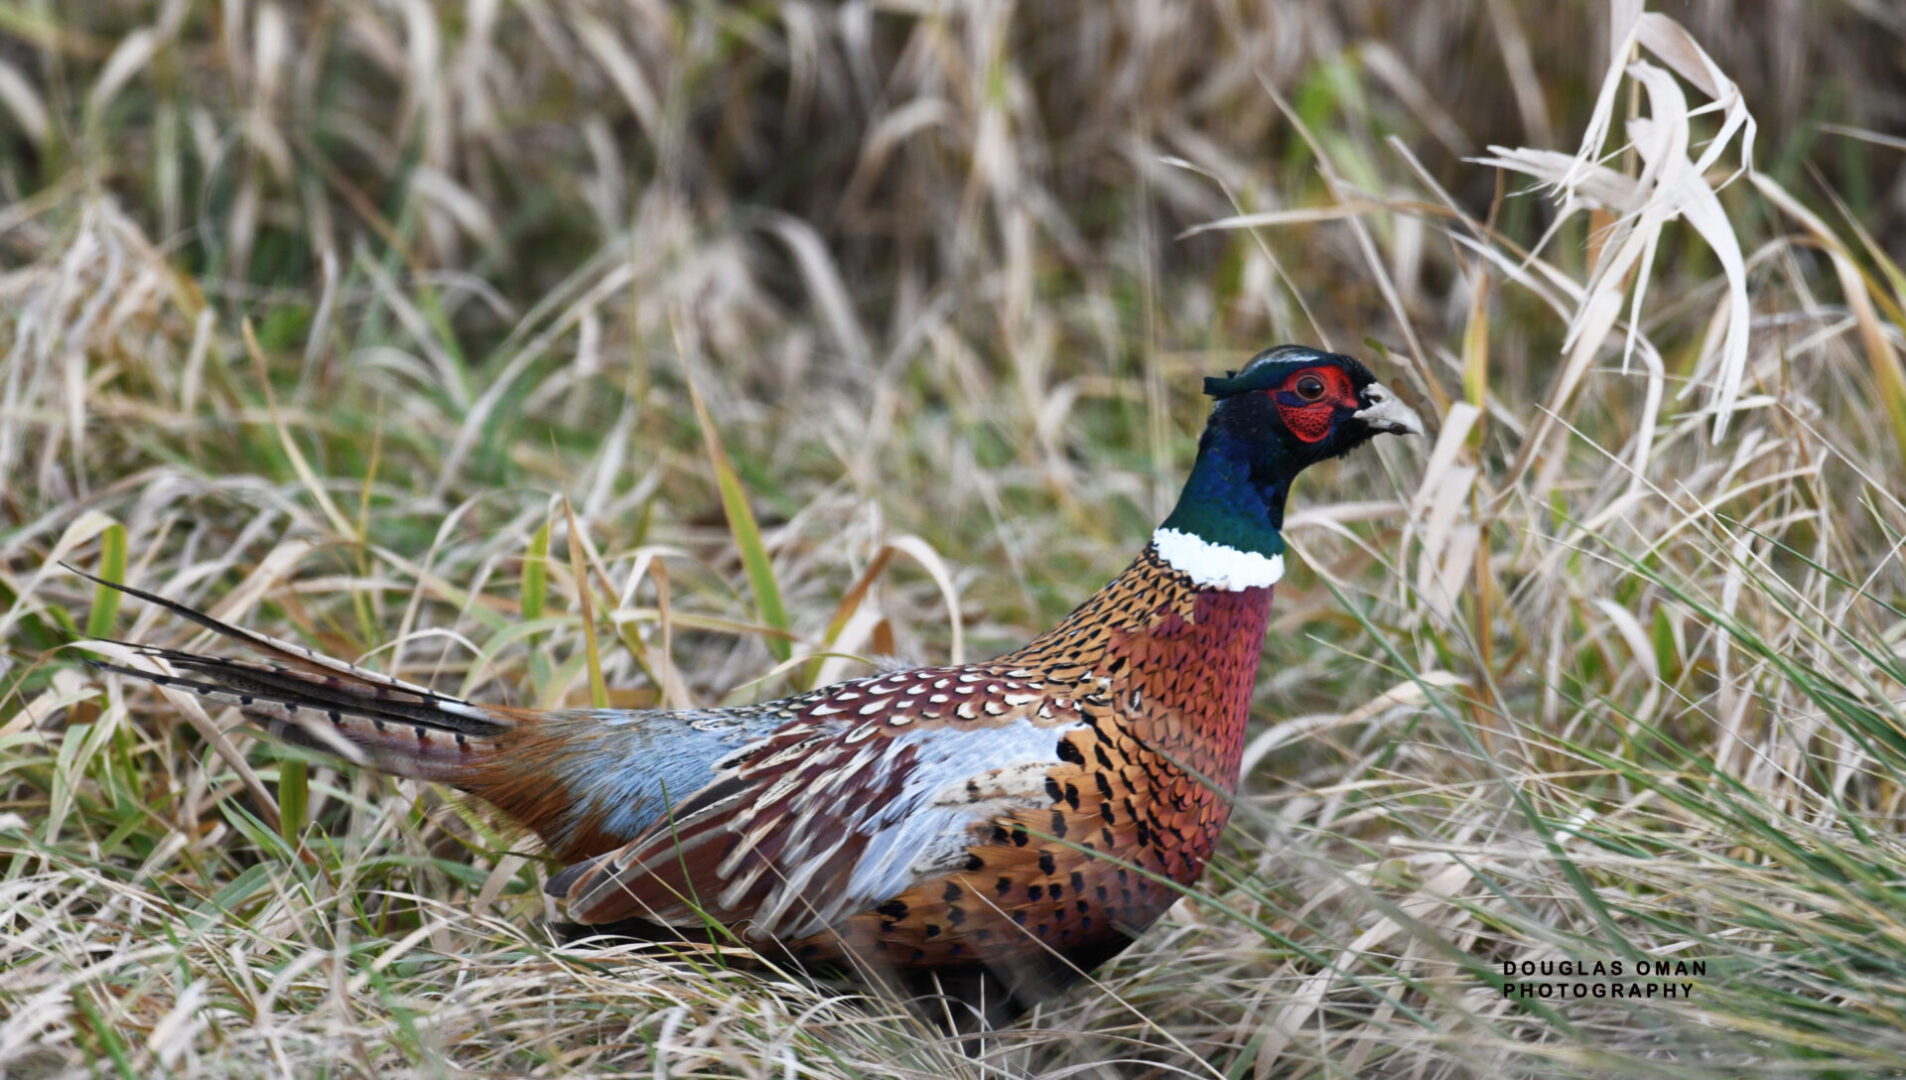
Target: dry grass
[{"x": 314, "y": 314}]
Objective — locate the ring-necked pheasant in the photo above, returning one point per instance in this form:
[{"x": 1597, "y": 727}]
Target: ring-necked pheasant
[{"x": 994, "y": 828}]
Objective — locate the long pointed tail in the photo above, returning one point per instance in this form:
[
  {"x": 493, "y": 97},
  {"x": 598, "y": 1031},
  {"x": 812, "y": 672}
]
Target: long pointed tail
[{"x": 314, "y": 701}]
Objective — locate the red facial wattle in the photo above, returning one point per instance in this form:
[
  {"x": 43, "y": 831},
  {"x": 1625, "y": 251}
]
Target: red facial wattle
[
  {"x": 1308, "y": 422},
  {"x": 1309, "y": 417}
]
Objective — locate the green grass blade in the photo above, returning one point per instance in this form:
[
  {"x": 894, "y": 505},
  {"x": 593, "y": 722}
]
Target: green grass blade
[
  {"x": 579, "y": 566},
  {"x": 294, "y": 798},
  {"x": 112, "y": 567},
  {"x": 536, "y": 574},
  {"x": 747, "y": 534}
]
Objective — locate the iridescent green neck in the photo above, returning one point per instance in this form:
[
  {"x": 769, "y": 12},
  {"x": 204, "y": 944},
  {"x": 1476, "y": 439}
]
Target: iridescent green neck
[
  {"x": 1227, "y": 502},
  {"x": 1224, "y": 532}
]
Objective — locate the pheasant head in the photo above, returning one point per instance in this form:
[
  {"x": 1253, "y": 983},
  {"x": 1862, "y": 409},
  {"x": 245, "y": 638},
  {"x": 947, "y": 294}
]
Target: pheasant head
[{"x": 1289, "y": 408}]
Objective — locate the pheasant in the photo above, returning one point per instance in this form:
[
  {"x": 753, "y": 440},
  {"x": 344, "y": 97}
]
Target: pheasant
[{"x": 992, "y": 830}]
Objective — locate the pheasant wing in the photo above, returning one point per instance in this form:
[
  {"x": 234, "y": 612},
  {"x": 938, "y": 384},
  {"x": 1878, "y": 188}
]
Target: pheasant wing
[{"x": 877, "y": 786}]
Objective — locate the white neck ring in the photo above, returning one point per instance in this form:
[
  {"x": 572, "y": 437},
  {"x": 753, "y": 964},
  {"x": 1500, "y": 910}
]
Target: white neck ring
[{"x": 1211, "y": 565}]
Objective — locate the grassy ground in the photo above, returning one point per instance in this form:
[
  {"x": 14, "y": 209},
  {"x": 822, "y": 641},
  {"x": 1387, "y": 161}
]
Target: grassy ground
[{"x": 314, "y": 314}]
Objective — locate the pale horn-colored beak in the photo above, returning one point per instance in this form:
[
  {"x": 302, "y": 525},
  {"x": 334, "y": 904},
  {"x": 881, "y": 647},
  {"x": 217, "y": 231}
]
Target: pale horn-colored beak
[{"x": 1386, "y": 412}]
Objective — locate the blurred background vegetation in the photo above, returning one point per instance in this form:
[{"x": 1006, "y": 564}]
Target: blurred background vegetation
[{"x": 310, "y": 312}]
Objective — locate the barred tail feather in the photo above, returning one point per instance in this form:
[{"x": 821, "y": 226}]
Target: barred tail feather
[{"x": 324, "y": 704}]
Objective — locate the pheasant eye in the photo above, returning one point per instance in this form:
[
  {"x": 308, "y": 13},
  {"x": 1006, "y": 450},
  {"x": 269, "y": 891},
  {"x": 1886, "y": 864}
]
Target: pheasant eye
[{"x": 1310, "y": 388}]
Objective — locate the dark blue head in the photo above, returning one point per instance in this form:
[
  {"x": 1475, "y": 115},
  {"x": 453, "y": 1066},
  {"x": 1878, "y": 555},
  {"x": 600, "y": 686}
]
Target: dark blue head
[{"x": 1289, "y": 408}]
